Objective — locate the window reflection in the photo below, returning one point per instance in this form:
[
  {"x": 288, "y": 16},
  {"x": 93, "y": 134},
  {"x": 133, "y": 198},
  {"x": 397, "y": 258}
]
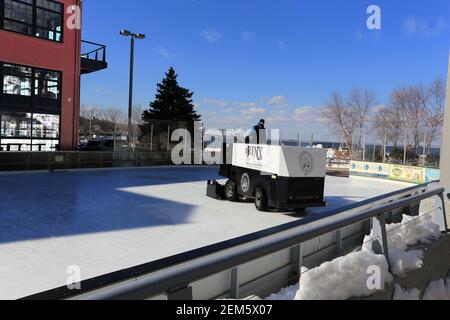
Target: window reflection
[
  {"x": 46, "y": 84},
  {"x": 16, "y": 125},
  {"x": 41, "y": 18},
  {"x": 45, "y": 126},
  {"x": 29, "y": 132}
]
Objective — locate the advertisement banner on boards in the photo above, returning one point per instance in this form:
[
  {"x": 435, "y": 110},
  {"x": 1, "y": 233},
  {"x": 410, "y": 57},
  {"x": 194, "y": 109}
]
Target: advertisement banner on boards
[
  {"x": 370, "y": 168},
  {"x": 408, "y": 174},
  {"x": 433, "y": 175}
]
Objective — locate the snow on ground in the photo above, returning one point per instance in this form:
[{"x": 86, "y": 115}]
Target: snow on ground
[
  {"x": 411, "y": 231},
  {"x": 343, "y": 278},
  {"x": 340, "y": 279},
  {"x": 285, "y": 294},
  {"x": 438, "y": 290},
  {"x": 406, "y": 294},
  {"x": 108, "y": 220},
  {"x": 348, "y": 276}
]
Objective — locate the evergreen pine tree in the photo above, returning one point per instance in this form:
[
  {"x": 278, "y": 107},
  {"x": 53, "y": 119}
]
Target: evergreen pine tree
[{"x": 172, "y": 102}]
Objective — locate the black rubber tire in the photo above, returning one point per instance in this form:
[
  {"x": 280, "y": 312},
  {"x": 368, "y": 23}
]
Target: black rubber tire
[
  {"x": 261, "y": 202},
  {"x": 231, "y": 193}
]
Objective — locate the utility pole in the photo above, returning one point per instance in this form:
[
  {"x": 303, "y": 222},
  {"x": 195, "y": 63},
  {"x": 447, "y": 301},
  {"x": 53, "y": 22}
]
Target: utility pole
[
  {"x": 364, "y": 146},
  {"x": 405, "y": 147},
  {"x": 133, "y": 36}
]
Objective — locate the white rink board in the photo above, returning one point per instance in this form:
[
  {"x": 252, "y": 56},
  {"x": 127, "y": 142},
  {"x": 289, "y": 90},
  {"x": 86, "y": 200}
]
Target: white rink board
[{"x": 293, "y": 162}]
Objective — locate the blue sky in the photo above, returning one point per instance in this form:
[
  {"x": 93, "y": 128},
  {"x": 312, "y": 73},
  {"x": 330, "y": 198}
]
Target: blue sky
[{"x": 280, "y": 60}]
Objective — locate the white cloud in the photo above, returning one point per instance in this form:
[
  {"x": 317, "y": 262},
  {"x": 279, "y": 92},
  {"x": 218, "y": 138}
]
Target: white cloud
[
  {"x": 277, "y": 100},
  {"x": 248, "y": 104},
  {"x": 211, "y": 35},
  {"x": 281, "y": 45},
  {"x": 217, "y": 102},
  {"x": 164, "y": 52},
  {"x": 412, "y": 26},
  {"x": 247, "y": 36},
  {"x": 253, "y": 111},
  {"x": 303, "y": 112}
]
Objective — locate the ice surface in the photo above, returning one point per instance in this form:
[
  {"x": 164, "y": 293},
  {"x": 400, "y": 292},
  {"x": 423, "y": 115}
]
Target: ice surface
[{"x": 108, "y": 220}]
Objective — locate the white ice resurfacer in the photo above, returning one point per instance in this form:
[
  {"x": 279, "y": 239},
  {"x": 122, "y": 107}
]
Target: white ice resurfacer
[{"x": 277, "y": 177}]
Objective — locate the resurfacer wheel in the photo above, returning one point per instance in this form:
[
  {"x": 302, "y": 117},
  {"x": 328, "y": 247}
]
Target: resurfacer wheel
[
  {"x": 231, "y": 191},
  {"x": 261, "y": 200}
]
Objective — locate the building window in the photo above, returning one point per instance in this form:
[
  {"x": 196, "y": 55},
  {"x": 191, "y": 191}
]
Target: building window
[
  {"x": 40, "y": 18},
  {"x": 17, "y": 80},
  {"x": 45, "y": 126},
  {"x": 47, "y": 84},
  {"x": 23, "y": 81},
  {"x": 18, "y": 16},
  {"x": 29, "y": 132},
  {"x": 30, "y": 108},
  {"x": 16, "y": 125}
]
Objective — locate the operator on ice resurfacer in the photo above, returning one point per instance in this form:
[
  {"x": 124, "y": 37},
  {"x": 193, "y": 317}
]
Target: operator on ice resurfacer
[
  {"x": 256, "y": 133},
  {"x": 277, "y": 177}
]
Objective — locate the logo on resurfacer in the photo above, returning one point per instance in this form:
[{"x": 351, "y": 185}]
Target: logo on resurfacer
[{"x": 306, "y": 162}]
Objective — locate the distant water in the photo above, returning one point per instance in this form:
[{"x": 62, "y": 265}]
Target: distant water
[{"x": 328, "y": 145}]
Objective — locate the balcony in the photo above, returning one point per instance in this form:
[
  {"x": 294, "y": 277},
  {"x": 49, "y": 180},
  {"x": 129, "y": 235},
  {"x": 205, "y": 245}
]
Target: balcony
[{"x": 94, "y": 58}]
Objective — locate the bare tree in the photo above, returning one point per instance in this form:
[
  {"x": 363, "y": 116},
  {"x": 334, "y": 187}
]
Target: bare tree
[
  {"x": 137, "y": 120},
  {"x": 412, "y": 103},
  {"x": 361, "y": 102},
  {"x": 90, "y": 112},
  {"x": 115, "y": 116},
  {"x": 341, "y": 118},
  {"x": 388, "y": 121},
  {"x": 434, "y": 113}
]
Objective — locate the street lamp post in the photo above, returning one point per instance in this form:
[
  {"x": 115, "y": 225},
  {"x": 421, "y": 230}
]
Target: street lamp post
[{"x": 133, "y": 36}]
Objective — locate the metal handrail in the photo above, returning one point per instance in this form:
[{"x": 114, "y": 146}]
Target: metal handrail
[
  {"x": 100, "y": 48},
  {"x": 161, "y": 276},
  {"x": 163, "y": 281}
]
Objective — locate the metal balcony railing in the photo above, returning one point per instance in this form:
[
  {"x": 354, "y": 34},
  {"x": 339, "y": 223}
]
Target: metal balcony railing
[
  {"x": 95, "y": 52},
  {"x": 93, "y": 57}
]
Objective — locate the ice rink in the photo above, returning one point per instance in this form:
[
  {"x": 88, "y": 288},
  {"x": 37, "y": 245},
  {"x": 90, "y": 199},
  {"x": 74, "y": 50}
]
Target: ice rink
[{"x": 108, "y": 220}]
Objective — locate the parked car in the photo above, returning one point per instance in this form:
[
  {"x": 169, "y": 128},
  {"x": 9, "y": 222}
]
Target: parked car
[{"x": 97, "y": 145}]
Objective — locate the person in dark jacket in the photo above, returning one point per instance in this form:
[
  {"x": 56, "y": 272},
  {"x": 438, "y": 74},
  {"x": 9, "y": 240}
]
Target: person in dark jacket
[{"x": 257, "y": 131}]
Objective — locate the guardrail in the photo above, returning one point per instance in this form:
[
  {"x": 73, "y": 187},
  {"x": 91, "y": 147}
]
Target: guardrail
[
  {"x": 259, "y": 263},
  {"x": 98, "y": 53},
  {"x": 22, "y": 161}
]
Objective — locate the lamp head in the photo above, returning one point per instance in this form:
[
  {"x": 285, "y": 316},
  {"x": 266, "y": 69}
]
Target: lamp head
[{"x": 125, "y": 33}]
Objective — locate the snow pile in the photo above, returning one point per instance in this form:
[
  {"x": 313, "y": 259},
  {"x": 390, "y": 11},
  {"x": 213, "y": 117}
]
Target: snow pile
[
  {"x": 438, "y": 290},
  {"x": 403, "y": 261},
  {"x": 405, "y": 294},
  {"x": 343, "y": 278},
  {"x": 352, "y": 275},
  {"x": 411, "y": 231},
  {"x": 286, "y": 294}
]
